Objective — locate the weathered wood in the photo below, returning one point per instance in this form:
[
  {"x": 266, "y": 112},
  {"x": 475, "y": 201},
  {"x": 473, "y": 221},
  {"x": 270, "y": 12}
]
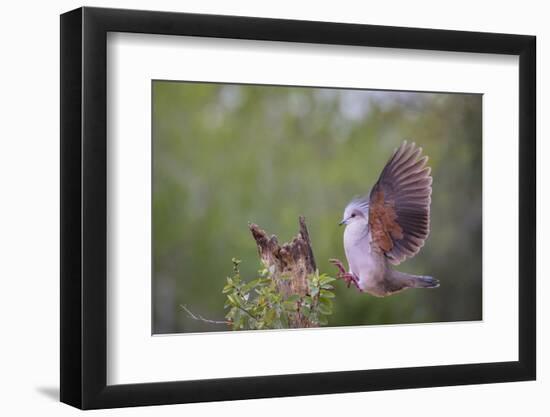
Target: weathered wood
[{"x": 289, "y": 264}]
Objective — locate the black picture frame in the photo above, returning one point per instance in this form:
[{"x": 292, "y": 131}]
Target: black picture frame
[{"x": 84, "y": 207}]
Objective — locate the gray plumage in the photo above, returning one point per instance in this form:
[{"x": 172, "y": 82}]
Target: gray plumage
[{"x": 389, "y": 226}]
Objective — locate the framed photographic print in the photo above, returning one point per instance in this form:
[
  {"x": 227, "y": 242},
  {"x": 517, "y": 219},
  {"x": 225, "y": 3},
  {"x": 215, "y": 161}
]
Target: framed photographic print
[{"x": 258, "y": 207}]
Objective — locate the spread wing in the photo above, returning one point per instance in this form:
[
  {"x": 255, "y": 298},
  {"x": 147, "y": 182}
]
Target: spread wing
[{"x": 399, "y": 205}]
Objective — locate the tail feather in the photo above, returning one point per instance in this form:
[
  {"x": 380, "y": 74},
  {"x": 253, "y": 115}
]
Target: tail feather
[
  {"x": 424, "y": 281},
  {"x": 397, "y": 281}
]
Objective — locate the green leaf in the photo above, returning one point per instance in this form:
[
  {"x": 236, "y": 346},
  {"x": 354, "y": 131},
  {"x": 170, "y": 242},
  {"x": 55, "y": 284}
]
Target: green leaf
[
  {"x": 293, "y": 298},
  {"x": 325, "y": 306},
  {"x": 270, "y": 316},
  {"x": 290, "y": 305},
  {"x": 325, "y": 279},
  {"x": 252, "y": 284},
  {"x": 324, "y": 309},
  {"x": 323, "y": 321},
  {"x": 284, "y": 321},
  {"x": 327, "y": 294},
  {"x": 325, "y": 301},
  {"x": 233, "y": 299}
]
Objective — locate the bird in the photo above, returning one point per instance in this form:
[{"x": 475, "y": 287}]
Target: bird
[{"x": 389, "y": 225}]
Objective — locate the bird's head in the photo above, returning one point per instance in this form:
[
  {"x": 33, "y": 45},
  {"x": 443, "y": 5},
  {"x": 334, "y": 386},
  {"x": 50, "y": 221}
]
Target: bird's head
[{"x": 356, "y": 211}]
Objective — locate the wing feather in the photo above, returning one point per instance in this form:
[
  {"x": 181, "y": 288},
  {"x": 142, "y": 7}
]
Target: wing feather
[{"x": 399, "y": 204}]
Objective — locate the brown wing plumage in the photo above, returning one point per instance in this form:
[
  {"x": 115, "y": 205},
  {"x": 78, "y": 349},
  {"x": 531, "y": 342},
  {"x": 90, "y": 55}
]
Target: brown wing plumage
[{"x": 399, "y": 205}]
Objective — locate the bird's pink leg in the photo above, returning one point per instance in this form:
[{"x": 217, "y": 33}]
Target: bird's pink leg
[{"x": 348, "y": 277}]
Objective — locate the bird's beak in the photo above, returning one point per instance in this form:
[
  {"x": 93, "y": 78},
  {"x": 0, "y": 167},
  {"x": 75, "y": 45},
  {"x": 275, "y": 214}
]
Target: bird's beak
[{"x": 344, "y": 221}]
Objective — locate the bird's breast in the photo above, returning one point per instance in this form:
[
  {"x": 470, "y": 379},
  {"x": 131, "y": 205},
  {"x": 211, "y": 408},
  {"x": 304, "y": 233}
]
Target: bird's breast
[{"x": 365, "y": 263}]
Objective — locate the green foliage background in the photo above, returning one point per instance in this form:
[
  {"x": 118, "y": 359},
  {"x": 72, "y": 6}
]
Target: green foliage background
[{"x": 225, "y": 155}]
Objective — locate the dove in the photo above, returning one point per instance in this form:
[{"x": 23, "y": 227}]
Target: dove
[{"x": 388, "y": 226}]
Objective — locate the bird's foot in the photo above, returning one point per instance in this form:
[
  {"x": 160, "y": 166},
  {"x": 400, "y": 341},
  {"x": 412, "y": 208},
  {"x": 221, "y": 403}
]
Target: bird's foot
[
  {"x": 348, "y": 277},
  {"x": 338, "y": 264}
]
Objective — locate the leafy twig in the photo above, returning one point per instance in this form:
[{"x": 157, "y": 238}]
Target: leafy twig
[{"x": 258, "y": 304}]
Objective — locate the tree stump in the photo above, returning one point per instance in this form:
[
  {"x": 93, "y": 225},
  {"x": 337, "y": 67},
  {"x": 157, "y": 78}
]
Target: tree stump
[{"x": 289, "y": 264}]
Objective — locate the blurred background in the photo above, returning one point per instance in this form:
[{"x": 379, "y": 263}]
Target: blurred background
[{"x": 225, "y": 155}]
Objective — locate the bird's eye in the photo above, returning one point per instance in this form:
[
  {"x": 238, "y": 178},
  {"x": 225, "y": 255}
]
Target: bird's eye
[{"x": 353, "y": 215}]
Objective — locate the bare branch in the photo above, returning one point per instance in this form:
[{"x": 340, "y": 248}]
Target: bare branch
[{"x": 201, "y": 318}]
